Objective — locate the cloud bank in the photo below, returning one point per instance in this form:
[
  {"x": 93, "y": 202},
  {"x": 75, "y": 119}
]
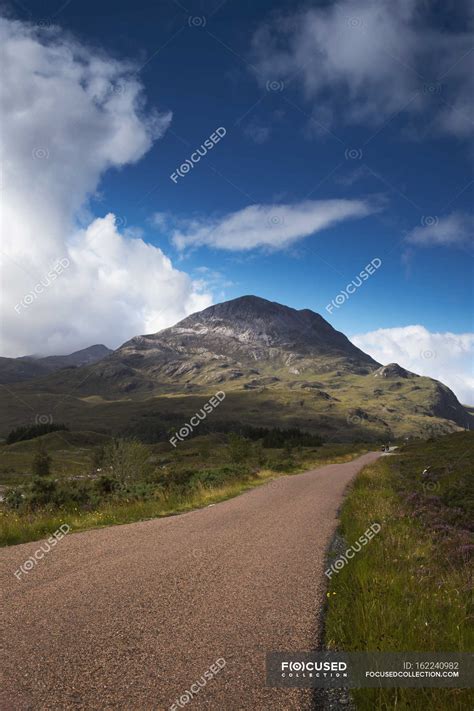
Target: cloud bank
[
  {"x": 270, "y": 226},
  {"x": 68, "y": 114},
  {"x": 364, "y": 60},
  {"x": 444, "y": 356}
]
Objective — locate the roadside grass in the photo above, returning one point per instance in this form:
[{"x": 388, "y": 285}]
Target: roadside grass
[
  {"x": 410, "y": 588},
  {"x": 16, "y": 527}
]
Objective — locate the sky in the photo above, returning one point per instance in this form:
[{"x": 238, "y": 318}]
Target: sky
[{"x": 160, "y": 157}]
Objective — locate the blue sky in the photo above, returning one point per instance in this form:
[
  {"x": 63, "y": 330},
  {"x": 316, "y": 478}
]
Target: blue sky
[{"x": 361, "y": 104}]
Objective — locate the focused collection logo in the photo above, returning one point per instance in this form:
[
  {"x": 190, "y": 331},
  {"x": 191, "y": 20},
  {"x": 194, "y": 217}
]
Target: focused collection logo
[
  {"x": 326, "y": 669},
  {"x": 356, "y": 670}
]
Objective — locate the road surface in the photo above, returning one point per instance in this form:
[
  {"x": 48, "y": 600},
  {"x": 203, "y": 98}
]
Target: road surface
[{"x": 130, "y": 617}]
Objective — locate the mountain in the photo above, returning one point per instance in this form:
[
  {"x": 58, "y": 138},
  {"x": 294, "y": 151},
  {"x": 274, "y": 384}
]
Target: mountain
[
  {"x": 248, "y": 336},
  {"x": 278, "y": 366},
  {"x": 86, "y": 356},
  {"x": 14, "y": 370}
]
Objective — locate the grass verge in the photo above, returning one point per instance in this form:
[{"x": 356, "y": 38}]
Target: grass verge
[
  {"x": 410, "y": 588},
  {"x": 33, "y": 525}
]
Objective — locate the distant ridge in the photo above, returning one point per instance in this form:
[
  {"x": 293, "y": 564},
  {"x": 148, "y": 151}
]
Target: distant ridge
[{"x": 14, "y": 370}]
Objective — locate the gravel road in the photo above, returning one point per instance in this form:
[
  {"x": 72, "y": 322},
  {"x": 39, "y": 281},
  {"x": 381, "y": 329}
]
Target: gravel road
[{"x": 129, "y": 617}]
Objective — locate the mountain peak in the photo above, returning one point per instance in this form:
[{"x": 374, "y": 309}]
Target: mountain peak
[
  {"x": 238, "y": 333},
  {"x": 253, "y": 319},
  {"x": 249, "y": 306},
  {"x": 243, "y": 305}
]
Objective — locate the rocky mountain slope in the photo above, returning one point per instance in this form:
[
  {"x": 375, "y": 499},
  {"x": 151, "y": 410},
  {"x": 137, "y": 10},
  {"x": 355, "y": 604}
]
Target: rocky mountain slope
[
  {"x": 277, "y": 366},
  {"x": 238, "y": 339}
]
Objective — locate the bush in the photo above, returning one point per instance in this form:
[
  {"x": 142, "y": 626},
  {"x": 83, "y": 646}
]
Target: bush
[
  {"x": 217, "y": 476},
  {"x": 127, "y": 459},
  {"x": 106, "y": 484},
  {"x": 41, "y": 462},
  {"x": 13, "y": 498},
  {"x": 287, "y": 464},
  {"x": 178, "y": 479},
  {"x": 137, "y": 491},
  {"x": 260, "y": 456},
  {"x": 42, "y": 492},
  {"x": 75, "y": 493},
  {"x": 238, "y": 448}
]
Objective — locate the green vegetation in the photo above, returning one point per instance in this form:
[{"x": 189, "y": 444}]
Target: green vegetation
[
  {"x": 276, "y": 437},
  {"x": 124, "y": 480},
  {"x": 333, "y": 404},
  {"x": 31, "y": 431},
  {"x": 126, "y": 460},
  {"x": 410, "y": 589},
  {"x": 70, "y": 454},
  {"x": 41, "y": 461}
]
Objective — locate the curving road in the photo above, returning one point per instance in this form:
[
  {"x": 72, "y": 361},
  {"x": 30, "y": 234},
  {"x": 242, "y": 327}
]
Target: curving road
[{"x": 130, "y": 617}]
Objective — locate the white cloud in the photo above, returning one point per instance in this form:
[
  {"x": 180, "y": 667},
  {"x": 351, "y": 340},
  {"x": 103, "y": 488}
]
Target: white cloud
[
  {"x": 363, "y": 60},
  {"x": 68, "y": 114},
  {"x": 447, "y": 357},
  {"x": 271, "y": 226},
  {"x": 454, "y": 229},
  {"x": 257, "y": 133}
]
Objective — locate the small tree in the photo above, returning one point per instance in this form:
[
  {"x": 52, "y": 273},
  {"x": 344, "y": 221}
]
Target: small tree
[
  {"x": 97, "y": 459},
  {"x": 260, "y": 455},
  {"x": 238, "y": 448},
  {"x": 127, "y": 459},
  {"x": 41, "y": 461}
]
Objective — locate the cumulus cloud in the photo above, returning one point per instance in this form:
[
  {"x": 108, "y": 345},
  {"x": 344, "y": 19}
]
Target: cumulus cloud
[
  {"x": 364, "y": 60},
  {"x": 271, "y": 226},
  {"x": 447, "y": 357},
  {"x": 454, "y": 229},
  {"x": 68, "y": 114}
]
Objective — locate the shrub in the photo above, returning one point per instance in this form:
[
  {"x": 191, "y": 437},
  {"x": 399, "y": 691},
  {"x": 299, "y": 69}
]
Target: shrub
[
  {"x": 75, "y": 493},
  {"x": 41, "y": 462},
  {"x": 106, "y": 484},
  {"x": 176, "y": 479},
  {"x": 43, "y": 491},
  {"x": 137, "y": 491},
  {"x": 259, "y": 454},
  {"x": 13, "y": 498},
  {"x": 217, "y": 476},
  {"x": 238, "y": 448},
  {"x": 127, "y": 459},
  {"x": 282, "y": 461}
]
